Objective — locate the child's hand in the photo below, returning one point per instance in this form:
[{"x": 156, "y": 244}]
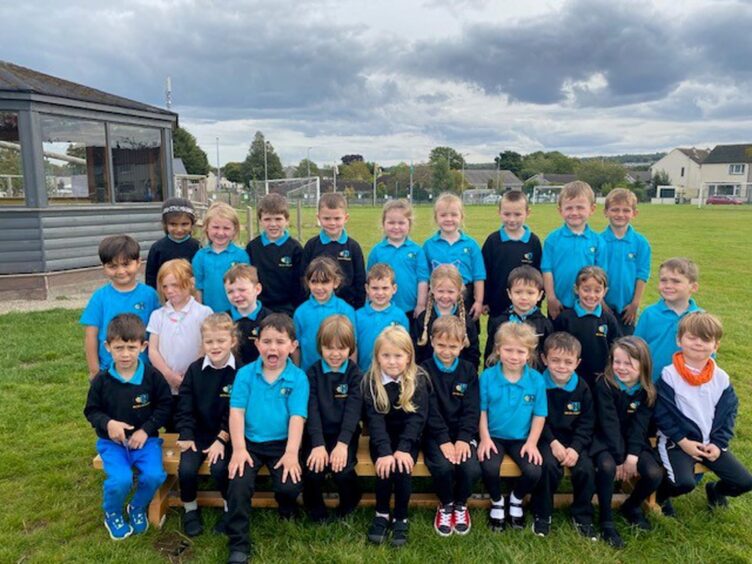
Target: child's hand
[
  {"x": 461, "y": 451},
  {"x": 186, "y": 445},
  {"x": 532, "y": 452},
  {"x": 571, "y": 458},
  {"x": 338, "y": 457},
  {"x": 116, "y": 430},
  {"x": 384, "y": 466},
  {"x": 174, "y": 379},
  {"x": 693, "y": 448},
  {"x": 237, "y": 463},
  {"x": 558, "y": 450},
  {"x": 712, "y": 452},
  {"x": 554, "y": 307},
  {"x": 138, "y": 439},
  {"x": 629, "y": 468},
  {"x": 476, "y": 311},
  {"x": 630, "y": 314},
  {"x": 290, "y": 467},
  {"x": 214, "y": 452},
  {"x": 485, "y": 448},
  {"x": 447, "y": 449},
  {"x": 404, "y": 461},
  {"x": 318, "y": 459},
  {"x": 418, "y": 310}
]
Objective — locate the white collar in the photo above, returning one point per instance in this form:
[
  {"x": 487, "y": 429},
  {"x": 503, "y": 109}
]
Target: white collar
[
  {"x": 386, "y": 379},
  {"x": 230, "y": 362}
]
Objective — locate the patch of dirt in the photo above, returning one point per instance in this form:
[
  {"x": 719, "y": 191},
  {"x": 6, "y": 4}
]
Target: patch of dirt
[{"x": 174, "y": 547}]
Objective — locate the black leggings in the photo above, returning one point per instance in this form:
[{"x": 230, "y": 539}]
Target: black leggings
[
  {"x": 651, "y": 475},
  {"x": 400, "y": 483},
  {"x": 346, "y": 480},
  {"x": 453, "y": 482},
  {"x": 190, "y": 462},
  {"x": 524, "y": 485}
]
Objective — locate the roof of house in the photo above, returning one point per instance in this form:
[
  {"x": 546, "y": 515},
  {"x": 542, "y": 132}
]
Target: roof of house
[
  {"x": 723, "y": 154},
  {"x": 480, "y": 177},
  {"x": 178, "y": 167},
  {"x": 556, "y": 178},
  {"x": 697, "y": 155},
  {"x": 641, "y": 175},
  {"x": 14, "y": 78}
]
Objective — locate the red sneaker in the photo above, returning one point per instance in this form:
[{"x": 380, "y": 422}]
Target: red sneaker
[
  {"x": 461, "y": 522},
  {"x": 442, "y": 523}
]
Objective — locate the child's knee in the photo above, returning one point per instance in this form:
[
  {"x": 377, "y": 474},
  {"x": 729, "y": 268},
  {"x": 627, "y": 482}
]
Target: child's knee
[
  {"x": 152, "y": 477},
  {"x": 120, "y": 481}
]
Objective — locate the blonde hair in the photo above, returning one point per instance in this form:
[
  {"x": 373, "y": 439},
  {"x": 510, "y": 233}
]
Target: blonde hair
[
  {"x": 398, "y": 337},
  {"x": 336, "y": 330},
  {"x": 218, "y": 322},
  {"x": 381, "y": 271},
  {"x": 621, "y": 195},
  {"x": 520, "y": 332},
  {"x": 447, "y": 199},
  {"x": 183, "y": 273},
  {"x": 451, "y": 327},
  {"x": 684, "y": 266},
  {"x": 439, "y": 274},
  {"x": 221, "y": 210},
  {"x": 702, "y": 325},
  {"x": 400, "y": 205},
  {"x": 594, "y": 272},
  {"x": 638, "y": 350},
  {"x": 575, "y": 189},
  {"x": 241, "y": 272}
]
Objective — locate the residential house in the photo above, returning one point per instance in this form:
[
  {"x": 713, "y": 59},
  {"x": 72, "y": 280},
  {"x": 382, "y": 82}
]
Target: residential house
[
  {"x": 502, "y": 180},
  {"x": 727, "y": 170},
  {"x": 683, "y": 168},
  {"x": 551, "y": 179}
]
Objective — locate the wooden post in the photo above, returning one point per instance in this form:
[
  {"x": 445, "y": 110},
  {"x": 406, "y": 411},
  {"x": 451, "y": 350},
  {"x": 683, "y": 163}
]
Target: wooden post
[
  {"x": 300, "y": 220},
  {"x": 249, "y": 223}
]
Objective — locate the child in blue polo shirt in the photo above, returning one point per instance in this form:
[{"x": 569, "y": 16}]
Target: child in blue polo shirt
[
  {"x": 570, "y": 247},
  {"x": 322, "y": 278},
  {"x": 513, "y": 409},
  {"x": 379, "y": 313},
  {"x": 268, "y": 409},
  {"x": 221, "y": 227},
  {"x": 121, "y": 259},
  {"x": 678, "y": 279},
  {"x": 451, "y": 246},
  {"x": 243, "y": 287},
  {"x": 626, "y": 258},
  {"x": 404, "y": 255}
]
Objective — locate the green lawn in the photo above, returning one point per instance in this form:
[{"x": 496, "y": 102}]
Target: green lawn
[{"x": 50, "y": 496}]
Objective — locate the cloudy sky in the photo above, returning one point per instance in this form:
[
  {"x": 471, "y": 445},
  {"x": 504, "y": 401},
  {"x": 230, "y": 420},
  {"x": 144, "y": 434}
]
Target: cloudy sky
[{"x": 393, "y": 78}]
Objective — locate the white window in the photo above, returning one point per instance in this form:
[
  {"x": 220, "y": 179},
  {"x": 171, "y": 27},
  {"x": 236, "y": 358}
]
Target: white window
[{"x": 736, "y": 168}]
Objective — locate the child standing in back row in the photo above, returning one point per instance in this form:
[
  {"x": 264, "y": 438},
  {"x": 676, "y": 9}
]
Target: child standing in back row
[
  {"x": 178, "y": 219},
  {"x": 221, "y": 227}
]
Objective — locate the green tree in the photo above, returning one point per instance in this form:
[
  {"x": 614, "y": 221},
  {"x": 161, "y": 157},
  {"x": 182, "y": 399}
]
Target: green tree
[
  {"x": 349, "y": 159},
  {"x": 184, "y": 147},
  {"x": 302, "y": 169},
  {"x": 442, "y": 179},
  {"x": 660, "y": 178},
  {"x": 600, "y": 174},
  {"x": 233, "y": 172},
  {"x": 511, "y": 161},
  {"x": 446, "y": 154},
  {"x": 78, "y": 151},
  {"x": 552, "y": 162},
  {"x": 253, "y": 166},
  {"x": 356, "y": 170}
]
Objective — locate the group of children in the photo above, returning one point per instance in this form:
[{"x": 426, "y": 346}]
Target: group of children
[{"x": 277, "y": 364}]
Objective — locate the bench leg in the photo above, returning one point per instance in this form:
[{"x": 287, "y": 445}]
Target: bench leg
[{"x": 160, "y": 502}]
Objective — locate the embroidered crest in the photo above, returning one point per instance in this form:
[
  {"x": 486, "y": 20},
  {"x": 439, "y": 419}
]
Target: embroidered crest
[
  {"x": 459, "y": 390},
  {"x": 633, "y": 406},
  {"x": 285, "y": 261},
  {"x": 631, "y": 256},
  {"x": 141, "y": 400},
  {"x": 527, "y": 257},
  {"x": 602, "y": 330},
  {"x": 341, "y": 391},
  {"x": 528, "y": 398},
  {"x": 140, "y": 306},
  {"x": 573, "y": 408},
  {"x": 344, "y": 254},
  {"x": 285, "y": 391},
  {"x": 226, "y": 390}
]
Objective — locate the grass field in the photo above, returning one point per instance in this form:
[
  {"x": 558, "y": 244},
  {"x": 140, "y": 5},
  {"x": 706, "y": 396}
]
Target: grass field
[{"x": 50, "y": 496}]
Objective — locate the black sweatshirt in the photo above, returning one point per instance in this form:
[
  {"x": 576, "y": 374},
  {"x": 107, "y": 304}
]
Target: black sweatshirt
[
  {"x": 397, "y": 427},
  {"x": 146, "y": 406},
  {"x": 349, "y": 257},
  {"x": 595, "y": 334},
  {"x": 471, "y": 353},
  {"x": 280, "y": 272},
  {"x": 571, "y": 417},
  {"x": 454, "y": 403},
  {"x": 204, "y": 402},
  {"x": 500, "y": 259},
  {"x": 247, "y": 329},
  {"x": 335, "y": 402},
  {"x": 540, "y": 323},
  {"x": 622, "y": 421},
  {"x": 166, "y": 249}
]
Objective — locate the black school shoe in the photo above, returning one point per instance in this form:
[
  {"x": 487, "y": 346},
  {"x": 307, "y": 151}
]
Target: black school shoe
[
  {"x": 541, "y": 526},
  {"x": 635, "y": 517},
  {"x": 318, "y": 515},
  {"x": 667, "y": 508},
  {"x": 378, "y": 530},
  {"x": 237, "y": 557},
  {"x": 399, "y": 533},
  {"x": 714, "y": 498},
  {"x": 586, "y": 530},
  {"x": 192, "y": 525},
  {"x": 611, "y": 536},
  {"x": 220, "y": 527}
]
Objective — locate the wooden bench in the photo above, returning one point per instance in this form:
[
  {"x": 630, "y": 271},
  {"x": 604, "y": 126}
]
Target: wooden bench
[{"x": 169, "y": 496}]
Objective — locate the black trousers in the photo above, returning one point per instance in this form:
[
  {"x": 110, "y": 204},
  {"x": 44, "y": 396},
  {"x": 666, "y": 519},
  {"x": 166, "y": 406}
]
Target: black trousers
[
  {"x": 625, "y": 328},
  {"x": 680, "y": 479},
  {"x": 583, "y": 485},
  {"x": 398, "y": 482},
  {"x": 453, "y": 482},
  {"x": 169, "y": 425},
  {"x": 240, "y": 491},
  {"x": 651, "y": 476},
  {"x": 346, "y": 480},
  {"x": 524, "y": 485},
  {"x": 190, "y": 462}
]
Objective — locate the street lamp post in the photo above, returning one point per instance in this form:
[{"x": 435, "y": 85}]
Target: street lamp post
[
  {"x": 308, "y": 162},
  {"x": 266, "y": 171}
]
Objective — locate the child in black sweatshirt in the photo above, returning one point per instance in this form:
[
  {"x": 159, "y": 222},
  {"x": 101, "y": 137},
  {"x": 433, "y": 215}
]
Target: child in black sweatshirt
[
  {"x": 624, "y": 400},
  {"x": 335, "y": 403},
  {"x": 450, "y": 441},
  {"x": 126, "y": 405},
  {"x": 395, "y": 397},
  {"x": 566, "y": 437},
  {"x": 202, "y": 418}
]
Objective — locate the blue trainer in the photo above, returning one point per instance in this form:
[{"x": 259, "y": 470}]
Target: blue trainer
[
  {"x": 139, "y": 522},
  {"x": 116, "y": 526}
]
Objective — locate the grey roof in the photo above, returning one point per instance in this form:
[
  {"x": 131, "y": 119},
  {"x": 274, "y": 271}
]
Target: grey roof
[
  {"x": 723, "y": 154},
  {"x": 178, "y": 167},
  {"x": 14, "y": 78},
  {"x": 641, "y": 175},
  {"x": 480, "y": 177},
  {"x": 697, "y": 155},
  {"x": 558, "y": 178}
]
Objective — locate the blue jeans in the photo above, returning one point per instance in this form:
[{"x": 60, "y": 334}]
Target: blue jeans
[{"x": 119, "y": 461}]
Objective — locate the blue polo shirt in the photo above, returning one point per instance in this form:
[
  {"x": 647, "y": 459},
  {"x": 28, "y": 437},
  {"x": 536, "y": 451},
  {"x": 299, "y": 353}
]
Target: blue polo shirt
[
  {"x": 464, "y": 253},
  {"x": 325, "y": 239},
  {"x": 410, "y": 267},
  {"x": 209, "y": 269},
  {"x": 552, "y": 385},
  {"x": 279, "y": 242},
  {"x": 626, "y": 261},
  {"x": 510, "y": 407},
  {"x": 268, "y": 407},
  {"x": 565, "y": 253},
  {"x": 658, "y": 326},
  {"x": 370, "y": 323},
  {"x": 107, "y": 302},
  {"x": 309, "y": 316},
  {"x": 237, "y": 316}
]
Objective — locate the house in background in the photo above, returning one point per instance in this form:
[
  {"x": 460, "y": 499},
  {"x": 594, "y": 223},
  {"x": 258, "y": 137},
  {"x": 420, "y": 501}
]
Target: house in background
[
  {"x": 484, "y": 179},
  {"x": 550, "y": 179},
  {"x": 727, "y": 171},
  {"x": 683, "y": 169}
]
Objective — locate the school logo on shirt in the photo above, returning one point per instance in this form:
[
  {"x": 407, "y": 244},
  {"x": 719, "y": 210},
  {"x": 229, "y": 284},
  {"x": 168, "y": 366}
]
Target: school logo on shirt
[
  {"x": 459, "y": 390},
  {"x": 140, "y": 401},
  {"x": 344, "y": 255},
  {"x": 527, "y": 258},
  {"x": 528, "y": 398},
  {"x": 592, "y": 250},
  {"x": 573, "y": 408},
  {"x": 340, "y": 392},
  {"x": 253, "y": 336},
  {"x": 233, "y": 263},
  {"x": 140, "y": 306},
  {"x": 601, "y": 330},
  {"x": 285, "y": 262},
  {"x": 285, "y": 391},
  {"x": 411, "y": 255},
  {"x": 226, "y": 391},
  {"x": 466, "y": 250},
  {"x": 633, "y": 406},
  {"x": 631, "y": 256}
]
